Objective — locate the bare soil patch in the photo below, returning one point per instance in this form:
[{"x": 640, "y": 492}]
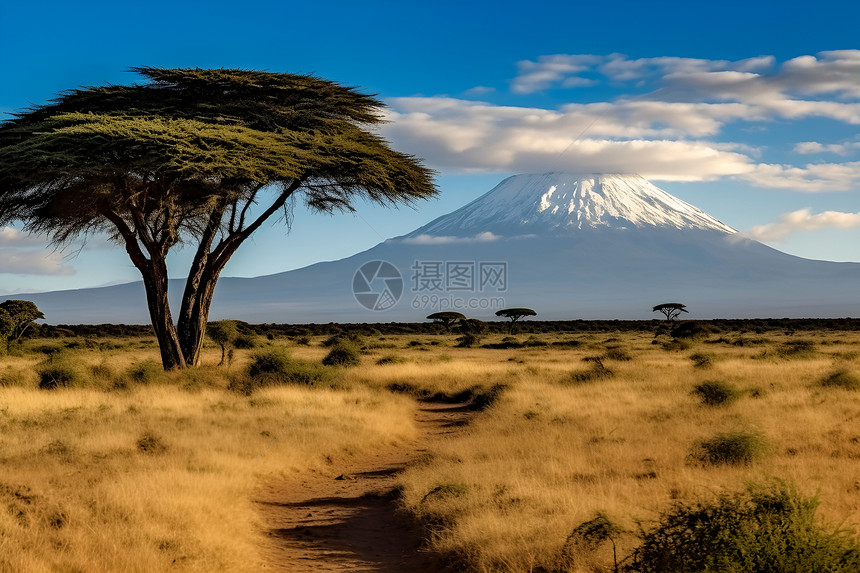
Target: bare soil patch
[{"x": 346, "y": 518}]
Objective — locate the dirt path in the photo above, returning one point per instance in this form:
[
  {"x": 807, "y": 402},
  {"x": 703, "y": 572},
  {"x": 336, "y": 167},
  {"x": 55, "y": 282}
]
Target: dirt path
[{"x": 345, "y": 519}]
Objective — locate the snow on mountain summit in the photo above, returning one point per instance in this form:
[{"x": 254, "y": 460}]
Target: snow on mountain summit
[{"x": 560, "y": 203}]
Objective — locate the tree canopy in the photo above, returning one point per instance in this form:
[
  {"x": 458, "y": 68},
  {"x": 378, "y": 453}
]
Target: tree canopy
[
  {"x": 671, "y": 310},
  {"x": 447, "y": 318},
  {"x": 201, "y": 156},
  {"x": 515, "y": 314},
  {"x": 16, "y": 316}
]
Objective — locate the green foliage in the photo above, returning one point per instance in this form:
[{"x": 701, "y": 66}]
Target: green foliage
[
  {"x": 767, "y": 528},
  {"x": 716, "y": 393},
  {"x": 58, "y": 373},
  {"x": 16, "y": 316},
  {"x": 183, "y": 157},
  {"x": 841, "y": 379},
  {"x": 275, "y": 366},
  {"x": 223, "y": 333},
  {"x": 145, "y": 372},
  {"x": 343, "y": 354},
  {"x": 731, "y": 448}
]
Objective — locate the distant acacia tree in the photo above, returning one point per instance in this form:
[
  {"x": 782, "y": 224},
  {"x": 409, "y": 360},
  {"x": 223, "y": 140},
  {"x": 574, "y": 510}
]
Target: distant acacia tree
[
  {"x": 16, "y": 316},
  {"x": 447, "y": 318},
  {"x": 515, "y": 314},
  {"x": 671, "y": 310},
  {"x": 200, "y": 157}
]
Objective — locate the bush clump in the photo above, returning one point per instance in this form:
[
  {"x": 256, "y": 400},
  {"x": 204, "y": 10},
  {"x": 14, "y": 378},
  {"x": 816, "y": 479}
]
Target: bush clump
[
  {"x": 796, "y": 349},
  {"x": 701, "y": 360},
  {"x": 763, "y": 529},
  {"x": 58, "y": 374},
  {"x": 275, "y": 366},
  {"x": 716, "y": 393},
  {"x": 343, "y": 354},
  {"x": 731, "y": 448},
  {"x": 841, "y": 379}
]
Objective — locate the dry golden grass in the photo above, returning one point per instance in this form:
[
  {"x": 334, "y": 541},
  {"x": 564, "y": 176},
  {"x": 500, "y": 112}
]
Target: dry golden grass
[
  {"x": 136, "y": 470},
  {"x": 554, "y": 451},
  {"x": 161, "y": 476}
]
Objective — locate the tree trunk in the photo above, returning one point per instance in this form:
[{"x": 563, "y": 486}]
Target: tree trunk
[
  {"x": 155, "y": 284},
  {"x": 194, "y": 315}
]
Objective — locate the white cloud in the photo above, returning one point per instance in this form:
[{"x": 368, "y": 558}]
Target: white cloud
[
  {"x": 803, "y": 220},
  {"x": 485, "y": 237},
  {"x": 535, "y": 76},
  {"x": 479, "y": 91},
  {"x": 813, "y": 147},
  {"x": 32, "y": 262},
  {"x": 663, "y": 134},
  {"x": 812, "y": 178},
  {"x": 461, "y": 135},
  {"x": 10, "y": 237}
]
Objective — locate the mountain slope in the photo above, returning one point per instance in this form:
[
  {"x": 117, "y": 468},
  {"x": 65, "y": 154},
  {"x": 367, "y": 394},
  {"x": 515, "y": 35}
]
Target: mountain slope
[{"x": 569, "y": 246}]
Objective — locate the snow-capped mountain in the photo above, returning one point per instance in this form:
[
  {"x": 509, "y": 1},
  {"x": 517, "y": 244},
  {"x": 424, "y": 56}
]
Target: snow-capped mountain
[
  {"x": 569, "y": 246},
  {"x": 562, "y": 203}
]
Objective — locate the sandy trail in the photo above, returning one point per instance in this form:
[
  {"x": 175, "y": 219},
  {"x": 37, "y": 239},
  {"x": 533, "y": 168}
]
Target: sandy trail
[{"x": 345, "y": 519}]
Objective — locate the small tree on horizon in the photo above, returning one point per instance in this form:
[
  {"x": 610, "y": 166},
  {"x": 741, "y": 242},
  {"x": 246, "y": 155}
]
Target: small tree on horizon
[
  {"x": 515, "y": 314},
  {"x": 671, "y": 310},
  {"x": 447, "y": 318}
]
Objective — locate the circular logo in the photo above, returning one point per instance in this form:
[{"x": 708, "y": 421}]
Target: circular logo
[{"x": 377, "y": 285}]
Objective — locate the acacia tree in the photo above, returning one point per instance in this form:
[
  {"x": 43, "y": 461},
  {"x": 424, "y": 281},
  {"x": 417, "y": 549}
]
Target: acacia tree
[
  {"x": 447, "y": 318},
  {"x": 195, "y": 156},
  {"x": 515, "y": 314},
  {"x": 16, "y": 316},
  {"x": 671, "y": 310}
]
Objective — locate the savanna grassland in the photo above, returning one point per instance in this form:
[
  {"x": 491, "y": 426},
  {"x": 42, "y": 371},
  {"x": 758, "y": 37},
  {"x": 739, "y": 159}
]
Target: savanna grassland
[{"x": 585, "y": 440}]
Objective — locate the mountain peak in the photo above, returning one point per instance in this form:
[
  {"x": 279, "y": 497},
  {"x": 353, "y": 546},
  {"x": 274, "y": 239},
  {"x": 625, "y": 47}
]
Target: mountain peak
[{"x": 561, "y": 203}]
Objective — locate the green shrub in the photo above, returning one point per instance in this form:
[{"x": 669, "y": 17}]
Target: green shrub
[
  {"x": 716, "y": 393},
  {"x": 244, "y": 342},
  {"x": 841, "y": 379},
  {"x": 145, "y": 372},
  {"x": 275, "y": 366},
  {"x": 763, "y": 529},
  {"x": 343, "y": 354},
  {"x": 731, "y": 448},
  {"x": 58, "y": 374}
]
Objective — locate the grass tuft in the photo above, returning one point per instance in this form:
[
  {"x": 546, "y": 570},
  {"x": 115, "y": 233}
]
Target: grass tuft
[
  {"x": 731, "y": 448},
  {"x": 841, "y": 379},
  {"x": 716, "y": 393}
]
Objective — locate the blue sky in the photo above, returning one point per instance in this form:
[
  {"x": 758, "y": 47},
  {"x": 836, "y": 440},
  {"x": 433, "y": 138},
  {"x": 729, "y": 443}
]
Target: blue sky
[{"x": 748, "y": 110}]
